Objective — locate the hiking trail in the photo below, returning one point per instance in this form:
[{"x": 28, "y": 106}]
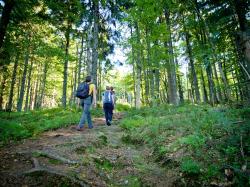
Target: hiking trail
[{"x": 92, "y": 157}]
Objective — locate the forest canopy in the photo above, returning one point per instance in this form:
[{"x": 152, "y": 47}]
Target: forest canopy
[{"x": 194, "y": 51}]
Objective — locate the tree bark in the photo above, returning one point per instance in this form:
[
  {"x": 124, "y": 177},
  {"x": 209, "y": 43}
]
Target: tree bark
[
  {"x": 180, "y": 88},
  {"x": 43, "y": 86},
  {"x": 5, "y": 19},
  {"x": 26, "y": 62},
  {"x": 134, "y": 67},
  {"x": 89, "y": 59},
  {"x": 172, "y": 88},
  {"x": 138, "y": 71},
  {"x": 95, "y": 41},
  {"x": 13, "y": 82},
  {"x": 79, "y": 80},
  {"x": 243, "y": 37},
  {"x": 65, "y": 70},
  {"x": 31, "y": 97},
  {"x": 193, "y": 72},
  {"x": 205, "y": 97},
  {"x": 76, "y": 74},
  {"x": 3, "y": 85},
  {"x": 218, "y": 88},
  {"x": 146, "y": 77},
  {"x": 211, "y": 84},
  {"x": 28, "y": 86},
  {"x": 157, "y": 84},
  {"x": 225, "y": 83},
  {"x": 150, "y": 71},
  {"x": 36, "y": 91}
]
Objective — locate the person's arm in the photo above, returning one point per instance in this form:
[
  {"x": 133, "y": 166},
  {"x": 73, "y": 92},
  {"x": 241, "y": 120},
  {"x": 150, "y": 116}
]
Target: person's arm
[{"x": 94, "y": 96}]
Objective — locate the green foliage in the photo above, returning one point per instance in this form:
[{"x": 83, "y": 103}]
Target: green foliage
[
  {"x": 122, "y": 107},
  {"x": 19, "y": 125},
  {"x": 193, "y": 140},
  {"x": 190, "y": 166},
  {"x": 103, "y": 164},
  {"x": 192, "y": 137},
  {"x": 12, "y": 130}
]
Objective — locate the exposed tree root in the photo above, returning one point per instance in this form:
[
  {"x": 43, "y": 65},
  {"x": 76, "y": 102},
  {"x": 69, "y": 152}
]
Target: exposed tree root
[{"x": 50, "y": 171}]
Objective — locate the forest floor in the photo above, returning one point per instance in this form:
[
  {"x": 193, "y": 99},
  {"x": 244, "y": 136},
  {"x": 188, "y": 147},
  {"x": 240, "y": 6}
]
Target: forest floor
[{"x": 92, "y": 157}]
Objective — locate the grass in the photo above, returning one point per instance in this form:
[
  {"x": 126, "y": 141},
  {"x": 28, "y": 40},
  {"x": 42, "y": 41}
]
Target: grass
[
  {"x": 19, "y": 125},
  {"x": 202, "y": 140},
  {"x": 16, "y": 126}
]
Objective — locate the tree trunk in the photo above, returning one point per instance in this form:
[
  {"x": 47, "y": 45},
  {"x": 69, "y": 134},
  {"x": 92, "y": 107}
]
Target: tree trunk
[
  {"x": 146, "y": 77},
  {"x": 172, "y": 88},
  {"x": 205, "y": 98},
  {"x": 3, "y": 85},
  {"x": 236, "y": 92},
  {"x": 157, "y": 85},
  {"x": 99, "y": 82},
  {"x": 20, "y": 100},
  {"x": 225, "y": 83},
  {"x": 31, "y": 97},
  {"x": 150, "y": 71},
  {"x": 165, "y": 83},
  {"x": 65, "y": 70},
  {"x": 243, "y": 37},
  {"x": 180, "y": 88},
  {"x": 13, "y": 82},
  {"x": 75, "y": 80},
  {"x": 89, "y": 59},
  {"x": 152, "y": 86},
  {"x": 218, "y": 88},
  {"x": 79, "y": 80},
  {"x": 19, "y": 84},
  {"x": 28, "y": 86},
  {"x": 5, "y": 18},
  {"x": 138, "y": 72},
  {"x": 193, "y": 72},
  {"x": 134, "y": 79},
  {"x": 156, "y": 77},
  {"x": 95, "y": 41},
  {"x": 43, "y": 86},
  {"x": 134, "y": 67},
  {"x": 211, "y": 84},
  {"x": 36, "y": 93}
]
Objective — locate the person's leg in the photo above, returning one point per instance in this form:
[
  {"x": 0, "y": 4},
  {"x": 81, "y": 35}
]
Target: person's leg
[
  {"x": 112, "y": 109},
  {"x": 87, "y": 112},
  {"x": 82, "y": 120},
  {"x": 105, "y": 112},
  {"x": 109, "y": 111}
]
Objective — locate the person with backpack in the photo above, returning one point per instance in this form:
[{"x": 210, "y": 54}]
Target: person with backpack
[
  {"x": 108, "y": 105},
  {"x": 86, "y": 92}
]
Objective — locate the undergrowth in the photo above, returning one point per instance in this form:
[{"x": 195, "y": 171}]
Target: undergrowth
[
  {"x": 15, "y": 126},
  {"x": 204, "y": 142}
]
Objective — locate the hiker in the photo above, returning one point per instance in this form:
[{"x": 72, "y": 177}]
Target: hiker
[
  {"x": 108, "y": 103},
  {"x": 86, "y": 91}
]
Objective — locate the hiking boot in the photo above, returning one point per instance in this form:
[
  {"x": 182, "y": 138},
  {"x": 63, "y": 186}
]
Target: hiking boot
[
  {"x": 79, "y": 129},
  {"x": 109, "y": 123}
]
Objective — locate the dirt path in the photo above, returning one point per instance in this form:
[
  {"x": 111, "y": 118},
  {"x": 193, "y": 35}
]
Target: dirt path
[{"x": 93, "y": 157}]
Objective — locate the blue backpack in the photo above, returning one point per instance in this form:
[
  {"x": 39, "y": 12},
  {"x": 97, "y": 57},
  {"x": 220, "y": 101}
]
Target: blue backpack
[
  {"x": 82, "y": 91},
  {"x": 107, "y": 97}
]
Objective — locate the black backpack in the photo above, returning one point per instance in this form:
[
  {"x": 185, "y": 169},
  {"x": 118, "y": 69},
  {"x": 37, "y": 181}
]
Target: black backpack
[{"x": 82, "y": 91}]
